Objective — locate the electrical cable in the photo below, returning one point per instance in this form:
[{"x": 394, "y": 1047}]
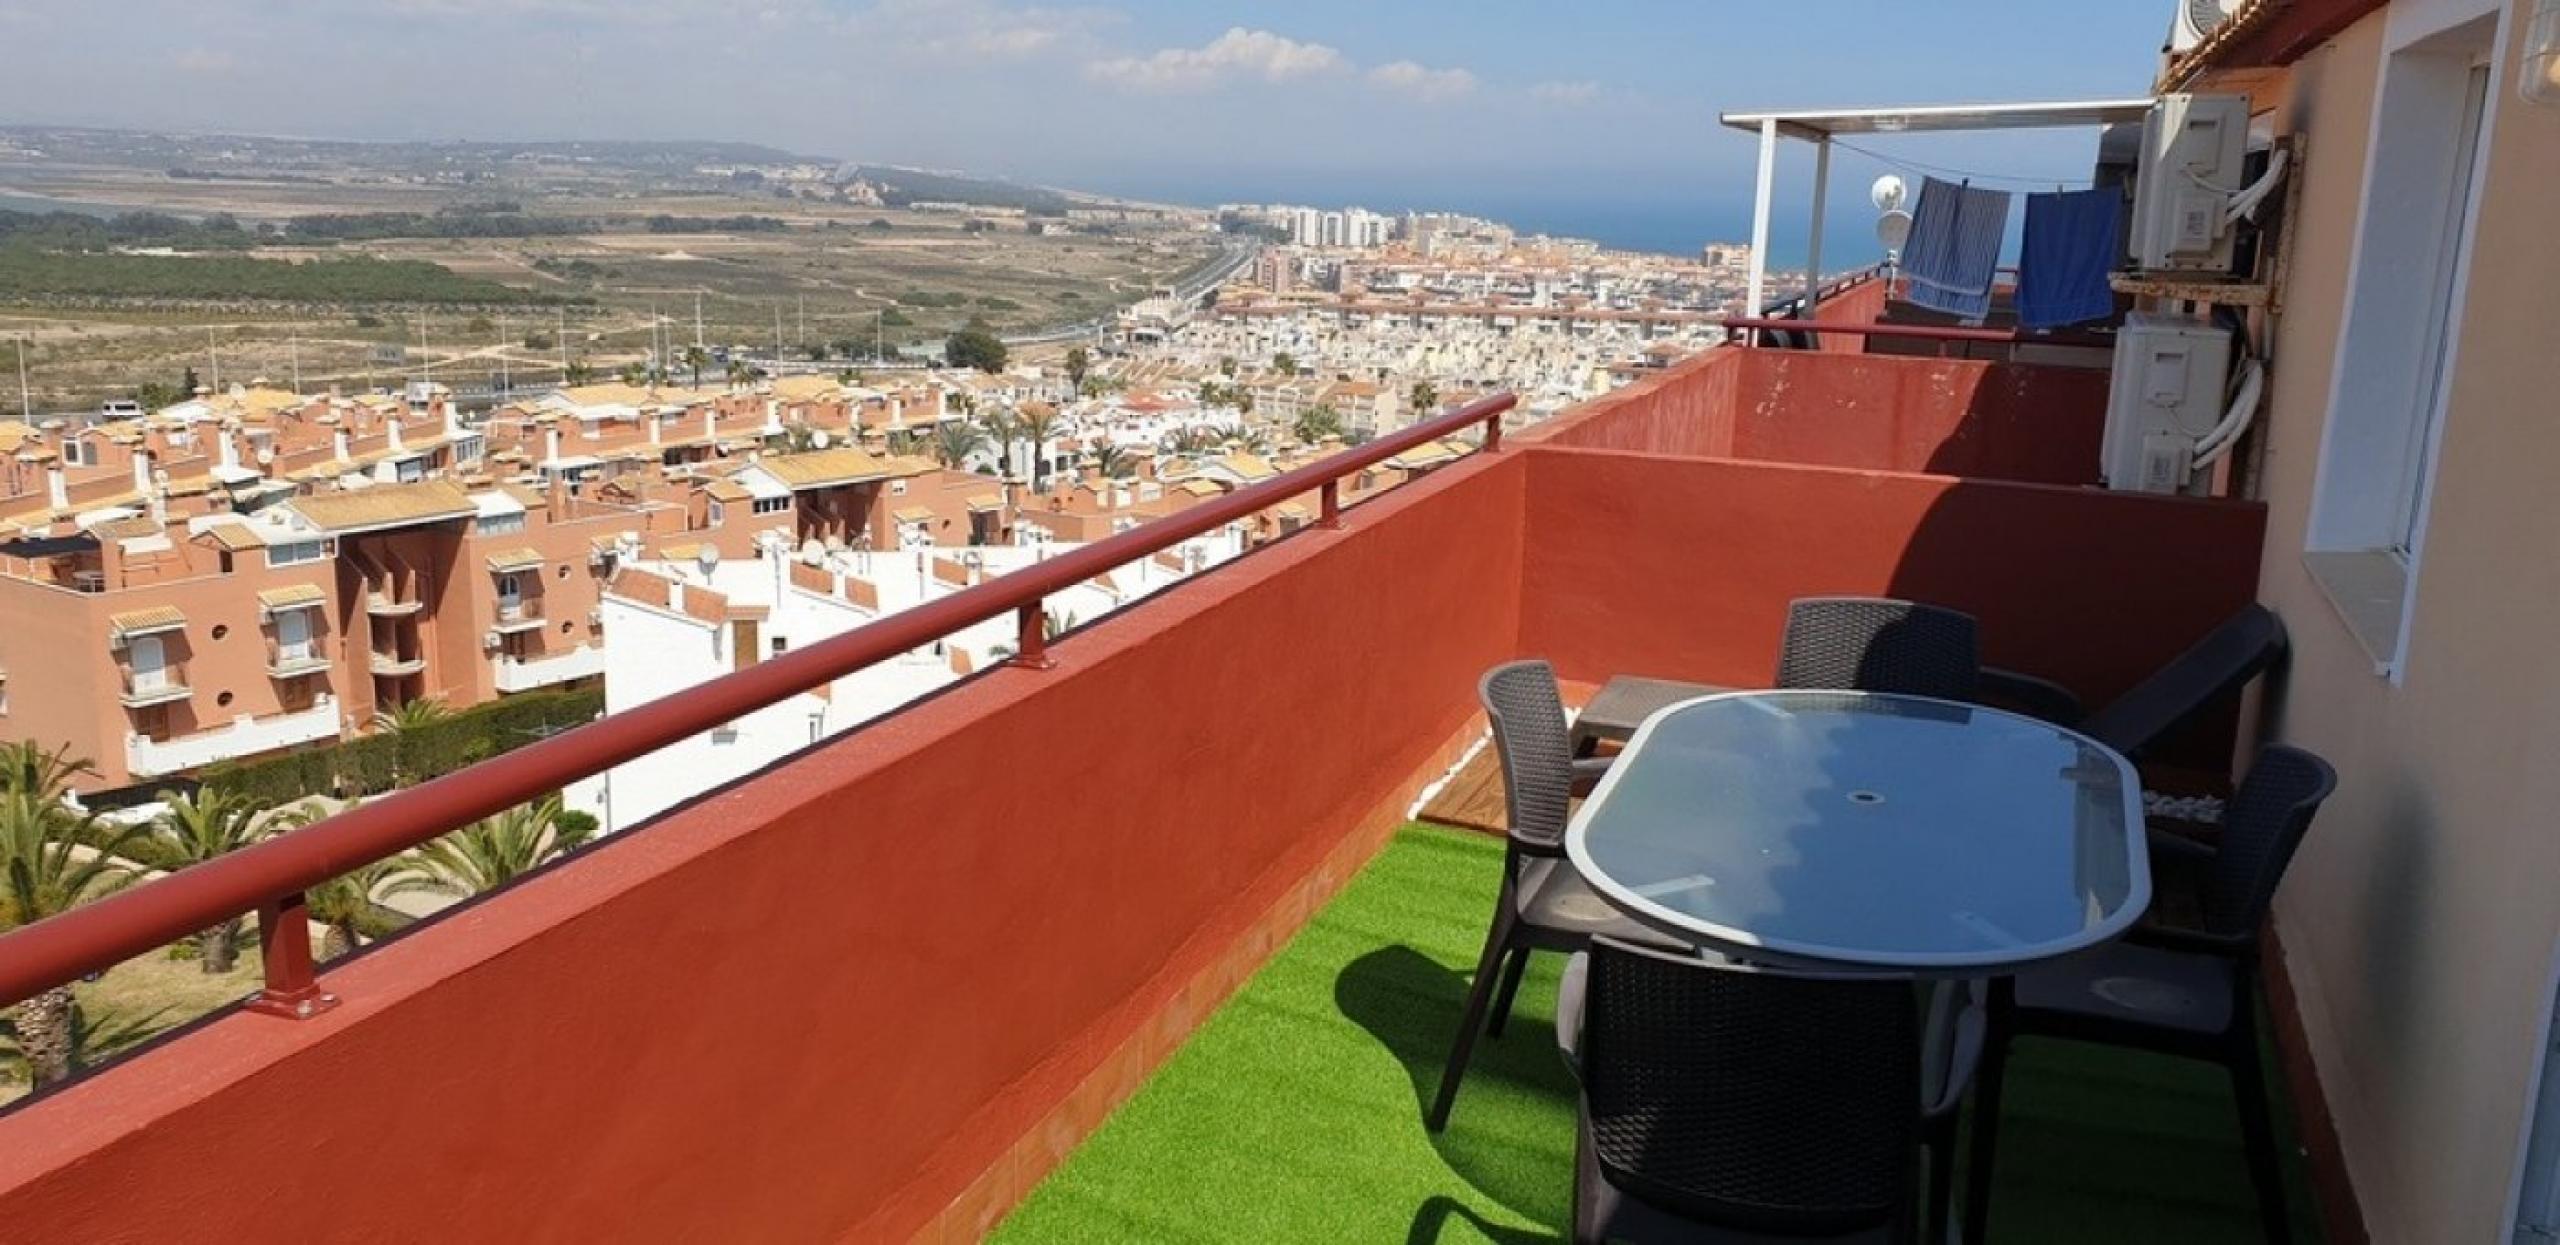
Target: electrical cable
[{"x": 1916, "y": 166}]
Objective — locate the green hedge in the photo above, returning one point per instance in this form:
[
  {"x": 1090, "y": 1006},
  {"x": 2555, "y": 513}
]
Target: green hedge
[{"x": 379, "y": 762}]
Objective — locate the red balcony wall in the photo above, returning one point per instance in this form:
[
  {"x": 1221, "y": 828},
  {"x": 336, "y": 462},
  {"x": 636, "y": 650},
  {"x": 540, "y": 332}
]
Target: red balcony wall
[
  {"x": 821, "y": 1004},
  {"x": 1959, "y": 417},
  {"x": 1683, "y": 568}
]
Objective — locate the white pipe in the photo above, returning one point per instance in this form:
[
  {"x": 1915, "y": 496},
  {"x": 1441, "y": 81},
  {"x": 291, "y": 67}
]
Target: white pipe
[
  {"x": 2235, "y": 419},
  {"x": 2247, "y": 201}
]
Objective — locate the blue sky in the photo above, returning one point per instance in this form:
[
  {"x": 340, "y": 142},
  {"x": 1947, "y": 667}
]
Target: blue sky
[{"x": 1589, "y": 105}]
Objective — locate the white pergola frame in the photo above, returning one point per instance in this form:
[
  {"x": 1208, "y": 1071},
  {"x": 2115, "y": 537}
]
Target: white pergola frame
[{"x": 1820, "y": 125}]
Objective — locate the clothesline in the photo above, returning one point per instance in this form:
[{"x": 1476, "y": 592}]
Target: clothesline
[{"x": 1916, "y": 166}]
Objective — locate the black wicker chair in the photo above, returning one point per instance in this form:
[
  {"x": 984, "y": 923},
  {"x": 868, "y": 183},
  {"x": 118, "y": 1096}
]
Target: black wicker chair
[
  {"x": 2186, "y": 992},
  {"x": 1730, "y": 1104},
  {"x": 1875, "y": 644},
  {"x": 2246, "y": 645},
  {"x": 1543, "y": 905}
]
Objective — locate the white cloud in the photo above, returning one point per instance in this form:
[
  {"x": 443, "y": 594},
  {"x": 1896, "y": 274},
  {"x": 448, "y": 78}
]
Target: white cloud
[
  {"x": 1565, "y": 94},
  {"x": 1239, "y": 53},
  {"x": 981, "y": 30},
  {"x": 1423, "y": 82}
]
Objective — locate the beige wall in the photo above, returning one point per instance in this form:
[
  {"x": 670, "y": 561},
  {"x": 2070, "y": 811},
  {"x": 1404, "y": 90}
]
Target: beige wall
[{"x": 2419, "y": 920}]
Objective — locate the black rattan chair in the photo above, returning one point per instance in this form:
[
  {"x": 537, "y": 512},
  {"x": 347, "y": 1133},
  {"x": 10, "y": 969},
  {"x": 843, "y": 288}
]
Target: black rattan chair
[
  {"x": 2186, "y": 992},
  {"x": 2246, "y": 645},
  {"x": 1729, "y": 1104},
  {"x": 1543, "y": 905},
  {"x": 1875, "y": 644}
]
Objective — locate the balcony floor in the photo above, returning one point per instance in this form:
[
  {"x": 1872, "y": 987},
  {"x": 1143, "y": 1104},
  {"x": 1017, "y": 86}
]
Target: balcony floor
[{"x": 1294, "y": 1113}]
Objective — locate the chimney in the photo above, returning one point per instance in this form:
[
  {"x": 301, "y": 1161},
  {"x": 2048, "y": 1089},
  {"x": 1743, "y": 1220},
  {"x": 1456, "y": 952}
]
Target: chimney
[
  {"x": 555, "y": 501},
  {"x": 56, "y": 489},
  {"x": 651, "y": 418},
  {"x": 772, "y": 416},
  {"x": 551, "y": 443},
  {"x": 226, "y": 448},
  {"x": 340, "y": 443},
  {"x": 451, "y": 418},
  {"x": 142, "y": 469},
  {"x": 897, "y": 412},
  {"x": 710, "y": 422},
  {"x": 394, "y": 425}
]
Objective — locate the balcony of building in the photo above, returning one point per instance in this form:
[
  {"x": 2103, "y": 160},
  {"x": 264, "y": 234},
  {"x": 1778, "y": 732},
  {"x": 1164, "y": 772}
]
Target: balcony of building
[
  {"x": 394, "y": 664},
  {"x": 242, "y": 736},
  {"x": 145, "y": 686},
  {"x": 526, "y": 673},
  {"x": 516, "y": 614},
  {"x": 881, "y": 989}
]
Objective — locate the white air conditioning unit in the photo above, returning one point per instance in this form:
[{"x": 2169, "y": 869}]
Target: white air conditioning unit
[
  {"x": 2165, "y": 410},
  {"x": 2189, "y": 181},
  {"x": 491, "y": 639}
]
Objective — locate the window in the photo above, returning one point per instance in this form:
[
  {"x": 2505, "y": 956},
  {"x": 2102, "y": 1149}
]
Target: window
[
  {"x": 293, "y": 635},
  {"x": 772, "y": 505},
  {"x": 510, "y": 591},
  {"x": 295, "y": 552},
  {"x": 2397, "y": 351},
  {"x": 501, "y": 524},
  {"x": 718, "y": 512}
]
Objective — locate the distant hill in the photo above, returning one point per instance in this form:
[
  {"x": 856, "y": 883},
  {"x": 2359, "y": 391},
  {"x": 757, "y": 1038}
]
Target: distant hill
[{"x": 900, "y": 187}]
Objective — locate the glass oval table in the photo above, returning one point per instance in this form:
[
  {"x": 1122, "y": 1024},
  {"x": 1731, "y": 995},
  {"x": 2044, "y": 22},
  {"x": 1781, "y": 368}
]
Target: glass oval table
[{"x": 1866, "y": 832}]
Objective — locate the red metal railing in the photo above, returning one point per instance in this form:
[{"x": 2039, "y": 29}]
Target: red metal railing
[
  {"x": 1917, "y": 332},
  {"x": 271, "y": 877}
]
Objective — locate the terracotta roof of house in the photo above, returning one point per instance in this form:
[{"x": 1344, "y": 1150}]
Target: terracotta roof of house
[
  {"x": 385, "y": 505},
  {"x": 913, "y": 514},
  {"x": 293, "y": 596},
  {"x": 125, "y": 529},
  {"x": 515, "y": 559},
  {"x": 727, "y": 490},
  {"x": 1427, "y": 454},
  {"x": 1252, "y": 467},
  {"x": 986, "y": 501},
  {"x": 826, "y": 468},
  {"x": 146, "y": 621},
  {"x": 1200, "y": 488}
]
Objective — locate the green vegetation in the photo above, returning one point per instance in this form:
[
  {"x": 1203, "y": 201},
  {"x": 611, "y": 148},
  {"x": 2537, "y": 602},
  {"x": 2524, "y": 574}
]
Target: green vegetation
[
  {"x": 193, "y": 829},
  {"x": 1317, "y": 423},
  {"x": 493, "y": 851},
  {"x": 929, "y": 298},
  {"x": 74, "y": 231},
  {"x": 27, "y": 269},
  {"x": 396, "y": 755},
  {"x": 715, "y": 224},
  {"x": 47, "y": 867},
  {"x": 974, "y": 347},
  {"x": 1295, "y": 1112}
]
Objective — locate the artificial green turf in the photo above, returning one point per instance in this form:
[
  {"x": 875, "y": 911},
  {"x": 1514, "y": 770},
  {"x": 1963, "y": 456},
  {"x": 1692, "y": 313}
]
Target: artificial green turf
[{"x": 1295, "y": 1113}]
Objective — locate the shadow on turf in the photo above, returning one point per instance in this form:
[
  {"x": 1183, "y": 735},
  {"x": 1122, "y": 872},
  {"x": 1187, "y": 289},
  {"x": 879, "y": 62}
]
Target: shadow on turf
[
  {"x": 1433, "y": 1216},
  {"x": 1411, "y": 1004}
]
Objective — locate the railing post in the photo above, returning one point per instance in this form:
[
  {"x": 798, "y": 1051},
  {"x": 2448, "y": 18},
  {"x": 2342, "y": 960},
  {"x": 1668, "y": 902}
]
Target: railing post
[
  {"x": 1329, "y": 508},
  {"x": 1031, "y": 638},
  {"x": 284, "y": 946},
  {"x": 1493, "y": 432}
]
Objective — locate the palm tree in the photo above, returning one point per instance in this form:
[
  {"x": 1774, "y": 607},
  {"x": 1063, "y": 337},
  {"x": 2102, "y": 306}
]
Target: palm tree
[
  {"x": 955, "y": 440},
  {"x": 1003, "y": 430},
  {"x": 89, "y": 1044},
  {"x": 1425, "y": 396},
  {"x": 1285, "y": 363},
  {"x": 741, "y": 374},
  {"x": 1319, "y": 421},
  {"x": 1079, "y": 364},
  {"x": 193, "y": 829},
  {"x": 53, "y": 857},
  {"x": 695, "y": 358},
  {"x": 410, "y": 715},
  {"x": 346, "y": 904},
  {"x": 577, "y": 373},
  {"x": 798, "y": 437},
  {"x": 1115, "y": 462},
  {"x": 1039, "y": 424},
  {"x": 491, "y": 852},
  {"x": 634, "y": 374}
]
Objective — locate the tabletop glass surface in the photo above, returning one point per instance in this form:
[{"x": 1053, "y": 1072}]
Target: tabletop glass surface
[{"x": 1868, "y": 828}]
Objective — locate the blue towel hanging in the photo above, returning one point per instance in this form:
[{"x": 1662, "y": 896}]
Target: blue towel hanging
[
  {"x": 1954, "y": 251},
  {"x": 2071, "y": 243}
]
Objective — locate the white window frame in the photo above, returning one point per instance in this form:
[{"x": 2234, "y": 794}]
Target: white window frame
[
  {"x": 291, "y": 552},
  {"x": 2397, "y": 357},
  {"x": 769, "y": 505}
]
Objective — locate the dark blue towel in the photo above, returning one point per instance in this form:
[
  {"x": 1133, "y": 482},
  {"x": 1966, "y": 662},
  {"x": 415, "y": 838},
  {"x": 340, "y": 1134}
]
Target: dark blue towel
[
  {"x": 1954, "y": 250},
  {"x": 2063, "y": 262}
]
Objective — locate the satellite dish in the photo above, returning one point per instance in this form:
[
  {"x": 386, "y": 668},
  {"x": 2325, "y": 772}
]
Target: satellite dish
[
  {"x": 1888, "y": 193},
  {"x": 818, "y": 439},
  {"x": 1893, "y": 229}
]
